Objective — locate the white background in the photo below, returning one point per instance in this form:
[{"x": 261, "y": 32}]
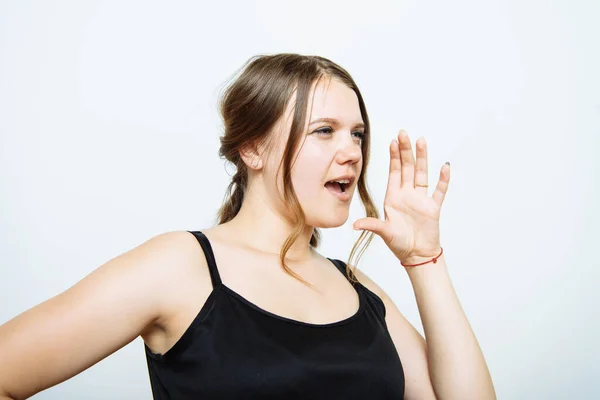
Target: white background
[{"x": 109, "y": 135}]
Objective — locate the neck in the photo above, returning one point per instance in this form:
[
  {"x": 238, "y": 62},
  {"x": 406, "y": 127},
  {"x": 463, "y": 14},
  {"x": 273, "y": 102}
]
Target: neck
[{"x": 260, "y": 226}]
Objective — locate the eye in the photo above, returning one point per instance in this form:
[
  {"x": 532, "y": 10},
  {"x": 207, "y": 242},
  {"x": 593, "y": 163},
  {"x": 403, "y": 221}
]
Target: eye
[
  {"x": 324, "y": 131},
  {"x": 327, "y": 131},
  {"x": 359, "y": 134}
]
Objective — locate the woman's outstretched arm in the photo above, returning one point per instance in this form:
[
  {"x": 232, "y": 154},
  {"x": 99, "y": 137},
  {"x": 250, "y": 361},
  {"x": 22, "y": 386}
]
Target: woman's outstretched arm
[{"x": 72, "y": 331}]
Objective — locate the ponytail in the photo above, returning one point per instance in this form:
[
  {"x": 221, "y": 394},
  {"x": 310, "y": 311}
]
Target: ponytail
[{"x": 234, "y": 196}]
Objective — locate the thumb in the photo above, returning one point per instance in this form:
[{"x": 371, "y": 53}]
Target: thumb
[{"x": 370, "y": 224}]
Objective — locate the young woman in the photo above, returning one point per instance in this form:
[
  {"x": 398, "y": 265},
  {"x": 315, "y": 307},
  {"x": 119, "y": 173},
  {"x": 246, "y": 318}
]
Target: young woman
[{"x": 249, "y": 308}]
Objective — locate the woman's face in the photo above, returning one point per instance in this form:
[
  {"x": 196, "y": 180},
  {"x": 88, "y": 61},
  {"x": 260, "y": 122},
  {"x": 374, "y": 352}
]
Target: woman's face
[{"x": 331, "y": 151}]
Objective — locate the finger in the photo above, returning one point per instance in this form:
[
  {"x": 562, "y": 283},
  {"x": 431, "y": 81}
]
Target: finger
[
  {"x": 407, "y": 160},
  {"x": 374, "y": 225},
  {"x": 394, "y": 179},
  {"x": 442, "y": 186},
  {"x": 421, "y": 166}
]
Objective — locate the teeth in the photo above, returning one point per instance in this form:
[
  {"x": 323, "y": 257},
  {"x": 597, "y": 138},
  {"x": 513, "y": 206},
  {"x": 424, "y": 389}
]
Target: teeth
[{"x": 344, "y": 181}]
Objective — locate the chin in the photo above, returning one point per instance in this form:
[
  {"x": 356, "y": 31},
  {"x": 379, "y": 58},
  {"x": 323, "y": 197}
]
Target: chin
[{"x": 329, "y": 221}]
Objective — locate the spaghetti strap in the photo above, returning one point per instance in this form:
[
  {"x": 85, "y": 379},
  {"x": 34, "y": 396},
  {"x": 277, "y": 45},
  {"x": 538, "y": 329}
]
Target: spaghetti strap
[
  {"x": 235, "y": 349},
  {"x": 341, "y": 266},
  {"x": 210, "y": 257}
]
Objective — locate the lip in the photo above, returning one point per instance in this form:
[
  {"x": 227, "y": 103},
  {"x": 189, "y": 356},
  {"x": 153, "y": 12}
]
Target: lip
[
  {"x": 351, "y": 178},
  {"x": 347, "y": 195},
  {"x": 342, "y": 196}
]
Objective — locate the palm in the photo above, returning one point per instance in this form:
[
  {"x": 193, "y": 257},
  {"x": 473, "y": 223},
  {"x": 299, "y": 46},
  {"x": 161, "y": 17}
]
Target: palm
[{"x": 411, "y": 225}]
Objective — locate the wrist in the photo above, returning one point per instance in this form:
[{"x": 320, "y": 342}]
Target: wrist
[{"x": 424, "y": 258}]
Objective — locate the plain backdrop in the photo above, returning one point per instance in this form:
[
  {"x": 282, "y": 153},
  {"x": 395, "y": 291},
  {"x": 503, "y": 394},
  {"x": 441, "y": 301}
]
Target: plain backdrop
[{"x": 109, "y": 135}]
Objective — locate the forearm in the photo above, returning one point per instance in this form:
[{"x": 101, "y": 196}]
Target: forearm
[{"x": 456, "y": 364}]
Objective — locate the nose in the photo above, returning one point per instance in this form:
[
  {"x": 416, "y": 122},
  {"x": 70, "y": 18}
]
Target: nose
[{"x": 348, "y": 151}]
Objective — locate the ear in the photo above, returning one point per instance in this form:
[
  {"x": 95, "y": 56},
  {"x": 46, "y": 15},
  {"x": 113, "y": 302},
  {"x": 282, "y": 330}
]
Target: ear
[{"x": 251, "y": 156}]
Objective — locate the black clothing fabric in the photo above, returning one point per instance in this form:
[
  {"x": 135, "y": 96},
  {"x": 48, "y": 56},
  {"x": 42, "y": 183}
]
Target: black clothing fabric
[{"x": 234, "y": 349}]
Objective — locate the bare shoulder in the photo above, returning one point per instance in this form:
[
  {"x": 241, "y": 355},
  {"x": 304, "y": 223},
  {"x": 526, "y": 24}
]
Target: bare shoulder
[
  {"x": 172, "y": 255},
  {"x": 370, "y": 284},
  {"x": 98, "y": 315},
  {"x": 161, "y": 266},
  {"x": 185, "y": 285}
]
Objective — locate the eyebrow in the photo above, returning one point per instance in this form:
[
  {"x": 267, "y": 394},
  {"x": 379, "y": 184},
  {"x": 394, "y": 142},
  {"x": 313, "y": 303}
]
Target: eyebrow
[{"x": 334, "y": 121}]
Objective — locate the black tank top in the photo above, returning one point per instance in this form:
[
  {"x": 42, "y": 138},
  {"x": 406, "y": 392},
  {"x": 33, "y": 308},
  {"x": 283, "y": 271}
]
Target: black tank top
[{"x": 234, "y": 349}]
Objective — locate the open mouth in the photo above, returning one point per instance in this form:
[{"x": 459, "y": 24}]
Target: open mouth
[{"x": 338, "y": 186}]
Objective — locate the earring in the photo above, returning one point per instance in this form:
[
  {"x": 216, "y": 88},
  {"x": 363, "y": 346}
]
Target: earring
[{"x": 255, "y": 163}]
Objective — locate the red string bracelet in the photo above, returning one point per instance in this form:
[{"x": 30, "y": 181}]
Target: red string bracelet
[{"x": 433, "y": 260}]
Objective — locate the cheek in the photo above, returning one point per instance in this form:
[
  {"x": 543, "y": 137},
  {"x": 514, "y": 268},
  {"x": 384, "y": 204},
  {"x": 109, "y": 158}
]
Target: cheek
[{"x": 309, "y": 172}]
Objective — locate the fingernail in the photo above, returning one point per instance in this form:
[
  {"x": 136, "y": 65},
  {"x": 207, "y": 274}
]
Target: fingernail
[{"x": 447, "y": 162}]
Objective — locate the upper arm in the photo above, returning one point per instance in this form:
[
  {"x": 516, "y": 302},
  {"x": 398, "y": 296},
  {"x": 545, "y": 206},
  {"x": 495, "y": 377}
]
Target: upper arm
[
  {"x": 409, "y": 343},
  {"x": 72, "y": 331}
]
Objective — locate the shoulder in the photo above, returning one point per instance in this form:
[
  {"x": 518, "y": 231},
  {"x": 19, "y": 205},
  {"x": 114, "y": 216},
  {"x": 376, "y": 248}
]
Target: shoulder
[
  {"x": 369, "y": 283},
  {"x": 164, "y": 253},
  {"x": 173, "y": 248},
  {"x": 181, "y": 281},
  {"x": 159, "y": 261},
  {"x": 175, "y": 242},
  {"x": 171, "y": 260},
  {"x": 118, "y": 301}
]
